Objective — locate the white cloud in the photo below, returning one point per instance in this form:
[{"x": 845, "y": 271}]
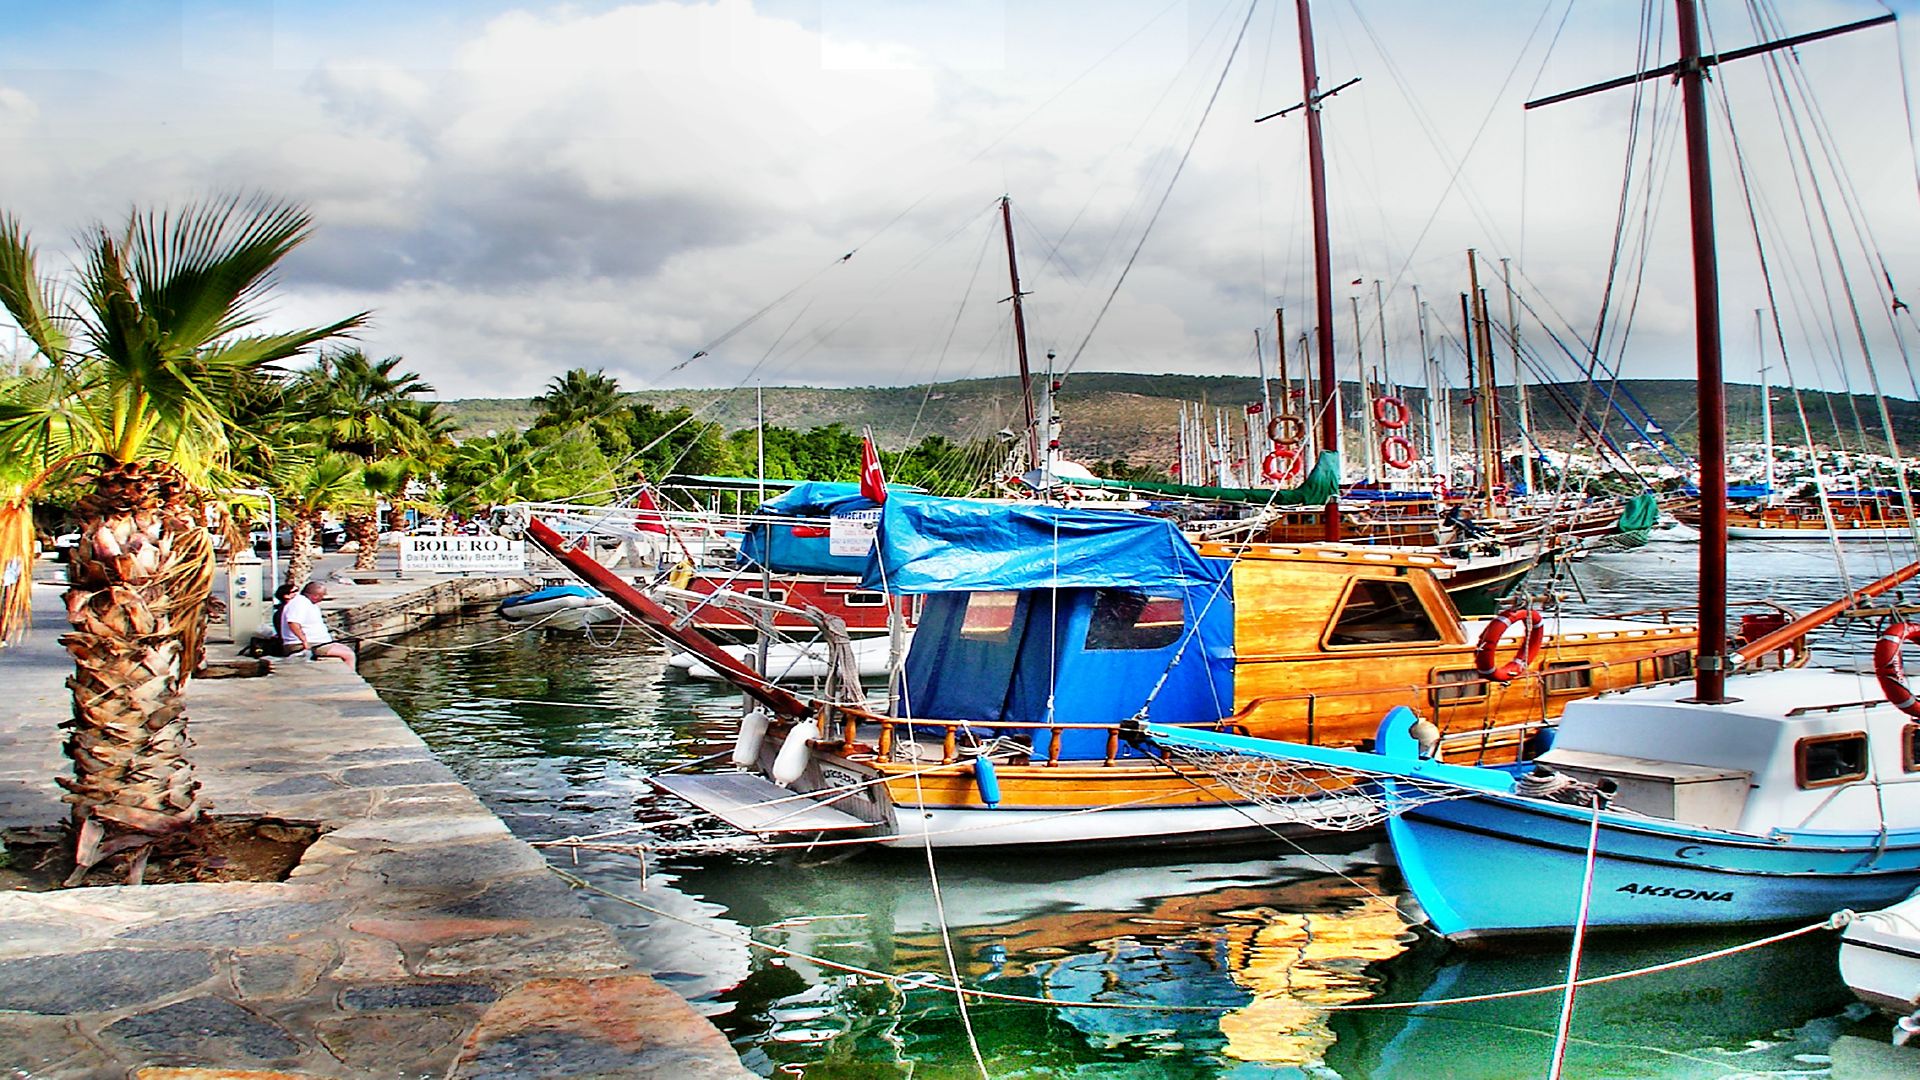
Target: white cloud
[{"x": 618, "y": 186}]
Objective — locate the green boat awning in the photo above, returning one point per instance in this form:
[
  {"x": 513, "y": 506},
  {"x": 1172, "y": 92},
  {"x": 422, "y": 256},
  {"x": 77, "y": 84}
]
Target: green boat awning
[{"x": 1319, "y": 485}]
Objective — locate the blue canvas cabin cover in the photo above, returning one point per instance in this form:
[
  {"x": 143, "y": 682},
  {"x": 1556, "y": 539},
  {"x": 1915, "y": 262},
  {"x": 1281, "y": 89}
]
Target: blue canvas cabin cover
[
  {"x": 1031, "y": 604},
  {"x": 806, "y": 548}
]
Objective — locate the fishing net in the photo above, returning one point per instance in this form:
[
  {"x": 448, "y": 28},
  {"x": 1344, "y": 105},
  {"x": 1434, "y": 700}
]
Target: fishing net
[{"x": 1328, "y": 797}]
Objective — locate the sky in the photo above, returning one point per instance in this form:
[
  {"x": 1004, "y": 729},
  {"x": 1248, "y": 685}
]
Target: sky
[{"x": 794, "y": 192}]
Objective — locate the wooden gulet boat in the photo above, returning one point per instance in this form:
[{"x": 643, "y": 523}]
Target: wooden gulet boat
[{"x": 1004, "y": 728}]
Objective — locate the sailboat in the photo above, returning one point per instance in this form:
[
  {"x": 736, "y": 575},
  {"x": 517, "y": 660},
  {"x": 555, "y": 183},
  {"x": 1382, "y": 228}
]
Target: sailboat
[{"x": 1738, "y": 798}]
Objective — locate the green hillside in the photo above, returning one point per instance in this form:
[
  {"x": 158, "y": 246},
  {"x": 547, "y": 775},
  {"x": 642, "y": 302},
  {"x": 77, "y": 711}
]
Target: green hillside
[{"x": 1110, "y": 415}]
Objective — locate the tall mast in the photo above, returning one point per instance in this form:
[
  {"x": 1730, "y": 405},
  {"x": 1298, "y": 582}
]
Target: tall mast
[
  {"x": 1280, "y": 355},
  {"x": 1710, "y": 674},
  {"x": 1519, "y": 382},
  {"x": 1426, "y": 373},
  {"x": 1483, "y": 345},
  {"x": 1386, "y": 367},
  {"x": 1329, "y": 403},
  {"x": 1766, "y": 402},
  {"x": 1020, "y": 339},
  {"x": 1364, "y": 387},
  {"x": 1474, "y": 389}
]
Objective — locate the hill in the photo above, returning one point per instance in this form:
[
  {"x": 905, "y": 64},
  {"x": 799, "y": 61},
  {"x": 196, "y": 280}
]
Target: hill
[{"x": 1111, "y": 415}]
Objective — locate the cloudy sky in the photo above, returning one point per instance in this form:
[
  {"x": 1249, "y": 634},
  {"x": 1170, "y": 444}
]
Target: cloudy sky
[{"x": 517, "y": 188}]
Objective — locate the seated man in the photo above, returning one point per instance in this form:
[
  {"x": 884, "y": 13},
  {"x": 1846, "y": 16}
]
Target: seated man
[{"x": 304, "y": 632}]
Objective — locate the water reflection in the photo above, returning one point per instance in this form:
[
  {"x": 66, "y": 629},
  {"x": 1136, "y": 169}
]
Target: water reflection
[{"x": 557, "y": 732}]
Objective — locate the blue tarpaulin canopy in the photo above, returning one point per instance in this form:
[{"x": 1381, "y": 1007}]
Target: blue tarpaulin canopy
[
  {"x": 1043, "y": 614},
  {"x": 809, "y": 550},
  {"x": 932, "y": 545}
]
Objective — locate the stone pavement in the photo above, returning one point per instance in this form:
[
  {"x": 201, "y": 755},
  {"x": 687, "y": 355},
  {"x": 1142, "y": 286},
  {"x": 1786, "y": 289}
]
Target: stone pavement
[{"x": 416, "y": 938}]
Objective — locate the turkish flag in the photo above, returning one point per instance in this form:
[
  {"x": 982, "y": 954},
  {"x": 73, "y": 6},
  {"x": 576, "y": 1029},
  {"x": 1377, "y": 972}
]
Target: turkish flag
[
  {"x": 1256, "y": 408},
  {"x": 873, "y": 484}
]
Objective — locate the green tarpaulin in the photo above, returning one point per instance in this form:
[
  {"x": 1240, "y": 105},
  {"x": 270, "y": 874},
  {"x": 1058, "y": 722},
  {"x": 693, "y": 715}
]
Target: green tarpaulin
[{"x": 1640, "y": 514}]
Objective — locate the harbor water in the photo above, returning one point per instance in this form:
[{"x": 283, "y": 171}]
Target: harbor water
[{"x": 1245, "y": 962}]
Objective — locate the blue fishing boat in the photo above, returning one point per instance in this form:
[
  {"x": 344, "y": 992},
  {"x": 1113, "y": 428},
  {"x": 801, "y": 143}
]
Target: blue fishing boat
[{"x": 1791, "y": 805}]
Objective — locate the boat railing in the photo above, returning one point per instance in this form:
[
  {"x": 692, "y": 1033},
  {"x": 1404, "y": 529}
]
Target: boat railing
[
  {"x": 845, "y": 723},
  {"x": 843, "y": 669}
]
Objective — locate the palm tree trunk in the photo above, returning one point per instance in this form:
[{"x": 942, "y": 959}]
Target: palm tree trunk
[
  {"x": 300, "y": 559},
  {"x": 364, "y": 530},
  {"x": 141, "y": 578}
]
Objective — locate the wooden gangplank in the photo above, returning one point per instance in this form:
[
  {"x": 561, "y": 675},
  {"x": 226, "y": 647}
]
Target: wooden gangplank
[{"x": 755, "y": 804}]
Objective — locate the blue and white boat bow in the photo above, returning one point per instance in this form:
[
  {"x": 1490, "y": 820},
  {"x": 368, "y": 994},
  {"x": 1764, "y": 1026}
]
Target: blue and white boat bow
[{"x": 1791, "y": 805}]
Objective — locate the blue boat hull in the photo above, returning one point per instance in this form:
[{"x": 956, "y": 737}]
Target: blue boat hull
[{"x": 1490, "y": 866}]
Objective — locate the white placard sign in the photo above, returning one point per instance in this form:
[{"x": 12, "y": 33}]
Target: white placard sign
[
  {"x": 851, "y": 533},
  {"x": 463, "y": 555}
]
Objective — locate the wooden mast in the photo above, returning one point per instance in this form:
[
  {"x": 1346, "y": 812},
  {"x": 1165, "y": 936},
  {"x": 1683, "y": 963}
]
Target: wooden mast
[
  {"x": 1020, "y": 340},
  {"x": 1329, "y": 403},
  {"x": 1710, "y": 674}
]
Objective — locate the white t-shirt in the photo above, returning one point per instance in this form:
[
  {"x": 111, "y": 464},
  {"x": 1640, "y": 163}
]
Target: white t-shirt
[{"x": 306, "y": 613}]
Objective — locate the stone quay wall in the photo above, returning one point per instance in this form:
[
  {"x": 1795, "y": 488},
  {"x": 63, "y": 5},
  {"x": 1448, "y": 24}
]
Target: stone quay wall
[{"x": 416, "y": 938}]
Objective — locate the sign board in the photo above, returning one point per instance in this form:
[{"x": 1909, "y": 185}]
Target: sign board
[
  {"x": 463, "y": 555},
  {"x": 852, "y": 533}
]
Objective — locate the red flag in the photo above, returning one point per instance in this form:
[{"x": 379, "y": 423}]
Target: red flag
[
  {"x": 649, "y": 519},
  {"x": 872, "y": 483},
  {"x": 1256, "y": 408}
]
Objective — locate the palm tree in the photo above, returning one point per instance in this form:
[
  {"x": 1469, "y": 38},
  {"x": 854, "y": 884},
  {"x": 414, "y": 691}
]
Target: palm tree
[
  {"x": 310, "y": 488},
  {"x": 578, "y": 396},
  {"x": 144, "y": 344},
  {"x": 372, "y": 411}
]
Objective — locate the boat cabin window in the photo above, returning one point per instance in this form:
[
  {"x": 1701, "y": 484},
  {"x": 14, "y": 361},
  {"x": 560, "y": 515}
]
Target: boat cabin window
[
  {"x": 1910, "y": 747},
  {"x": 1453, "y": 687},
  {"x": 1123, "y": 619},
  {"x": 989, "y": 614},
  {"x": 1379, "y": 612},
  {"x": 866, "y": 598},
  {"x": 1831, "y": 759},
  {"x": 778, "y": 596},
  {"x": 1568, "y": 677},
  {"x": 1677, "y": 665}
]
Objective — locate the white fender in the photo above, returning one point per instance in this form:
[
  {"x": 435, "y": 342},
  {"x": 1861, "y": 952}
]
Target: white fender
[
  {"x": 753, "y": 731},
  {"x": 794, "y": 753}
]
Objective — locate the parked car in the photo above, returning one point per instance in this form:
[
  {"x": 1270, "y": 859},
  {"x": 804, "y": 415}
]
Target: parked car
[{"x": 331, "y": 536}]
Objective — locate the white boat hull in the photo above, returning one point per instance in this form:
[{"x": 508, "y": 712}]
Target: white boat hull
[
  {"x": 1133, "y": 827},
  {"x": 1880, "y": 957},
  {"x": 787, "y": 661},
  {"x": 1877, "y": 532}
]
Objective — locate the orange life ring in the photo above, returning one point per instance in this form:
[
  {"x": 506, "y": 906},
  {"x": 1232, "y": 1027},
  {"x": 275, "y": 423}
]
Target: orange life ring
[
  {"x": 1392, "y": 419},
  {"x": 1282, "y": 463},
  {"x": 1890, "y": 671},
  {"x": 1286, "y": 429},
  {"x": 1397, "y": 452},
  {"x": 1523, "y": 660}
]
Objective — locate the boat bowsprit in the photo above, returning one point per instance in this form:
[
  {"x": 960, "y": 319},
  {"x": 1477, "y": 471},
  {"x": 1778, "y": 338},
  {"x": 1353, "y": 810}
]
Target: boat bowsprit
[{"x": 560, "y": 607}]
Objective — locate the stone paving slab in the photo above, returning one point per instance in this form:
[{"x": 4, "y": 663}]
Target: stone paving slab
[{"x": 416, "y": 938}]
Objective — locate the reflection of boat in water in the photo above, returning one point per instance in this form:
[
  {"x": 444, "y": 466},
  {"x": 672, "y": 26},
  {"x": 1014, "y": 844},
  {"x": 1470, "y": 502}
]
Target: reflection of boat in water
[
  {"x": 1752, "y": 1013},
  {"x": 1256, "y": 943}
]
